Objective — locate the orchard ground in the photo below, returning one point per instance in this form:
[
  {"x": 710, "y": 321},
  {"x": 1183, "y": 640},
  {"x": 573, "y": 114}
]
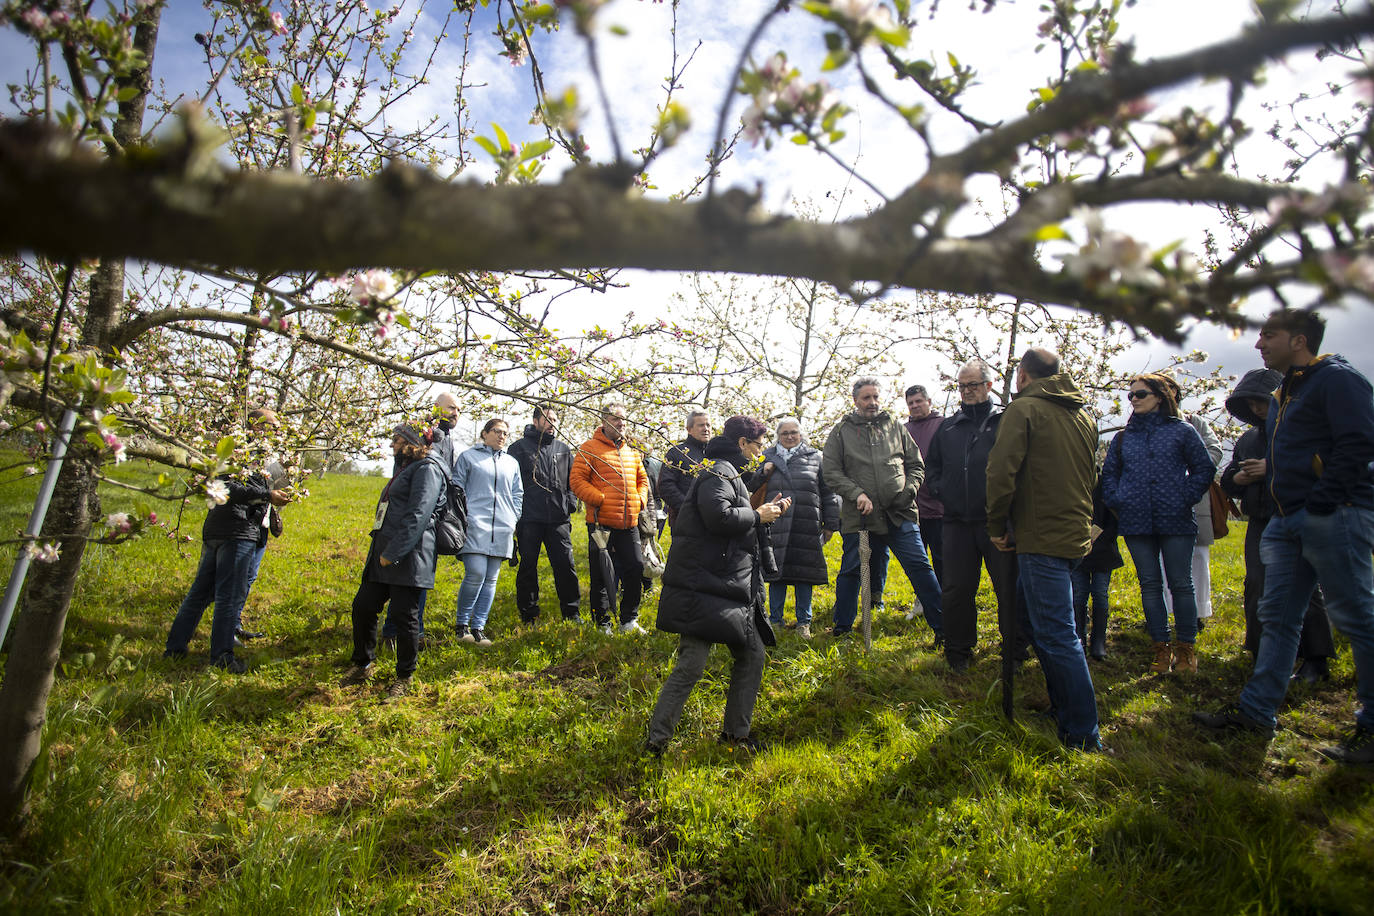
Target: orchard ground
[{"x": 512, "y": 781}]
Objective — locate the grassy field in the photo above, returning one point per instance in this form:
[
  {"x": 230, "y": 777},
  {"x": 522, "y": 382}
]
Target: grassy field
[{"x": 513, "y": 781}]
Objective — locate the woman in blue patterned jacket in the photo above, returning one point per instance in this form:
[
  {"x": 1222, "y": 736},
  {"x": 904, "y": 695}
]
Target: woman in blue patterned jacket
[{"x": 1156, "y": 470}]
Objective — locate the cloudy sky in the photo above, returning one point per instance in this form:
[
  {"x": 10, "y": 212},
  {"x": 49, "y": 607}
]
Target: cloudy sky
[{"x": 999, "y": 45}]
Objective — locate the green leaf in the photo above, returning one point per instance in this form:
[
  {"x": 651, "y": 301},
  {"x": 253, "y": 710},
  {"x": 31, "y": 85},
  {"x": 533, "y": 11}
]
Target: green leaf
[
  {"x": 535, "y": 150},
  {"x": 953, "y": 61},
  {"x": 224, "y": 448},
  {"x": 126, "y": 94},
  {"x": 800, "y": 139},
  {"x": 488, "y": 146},
  {"x": 835, "y": 59},
  {"x": 297, "y": 94},
  {"x": 618, "y": 30},
  {"x": 501, "y": 139},
  {"x": 1046, "y": 93},
  {"x": 1048, "y": 232}
]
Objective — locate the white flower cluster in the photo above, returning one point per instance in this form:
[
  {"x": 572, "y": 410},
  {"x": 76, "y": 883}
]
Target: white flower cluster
[{"x": 784, "y": 98}]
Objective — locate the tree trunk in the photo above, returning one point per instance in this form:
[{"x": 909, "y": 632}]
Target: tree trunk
[
  {"x": 36, "y": 643},
  {"x": 36, "y": 646}
]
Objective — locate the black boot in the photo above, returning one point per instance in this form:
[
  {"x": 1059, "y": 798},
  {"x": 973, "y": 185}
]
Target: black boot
[{"x": 1097, "y": 647}]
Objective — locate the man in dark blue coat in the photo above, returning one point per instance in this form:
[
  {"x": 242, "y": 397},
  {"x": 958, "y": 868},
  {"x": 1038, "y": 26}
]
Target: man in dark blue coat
[
  {"x": 1320, "y": 430},
  {"x": 545, "y": 516},
  {"x": 235, "y": 531},
  {"x": 956, "y": 473},
  {"x": 676, "y": 476}
]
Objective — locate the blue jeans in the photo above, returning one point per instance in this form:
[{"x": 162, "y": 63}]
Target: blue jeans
[
  {"x": 1094, "y": 585},
  {"x": 1048, "y": 595},
  {"x": 777, "y": 600},
  {"x": 478, "y": 590},
  {"x": 223, "y": 577},
  {"x": 905, "y": 542},
  {"x": 1299, "y": 551},
  {"x": 1176, "y": 550}
]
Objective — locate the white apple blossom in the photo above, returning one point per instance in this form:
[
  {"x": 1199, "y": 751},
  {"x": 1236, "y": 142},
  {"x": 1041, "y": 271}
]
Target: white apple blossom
[
  {"x": 216, "y": 494},
  {"x": 374, "y": 285}
]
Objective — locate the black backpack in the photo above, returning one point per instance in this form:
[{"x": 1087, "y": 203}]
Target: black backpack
[{"x": 451, "y": 520}]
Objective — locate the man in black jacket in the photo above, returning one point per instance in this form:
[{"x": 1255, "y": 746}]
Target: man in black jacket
[
  {"x": 676, "y": 476},
  {"x": 544, "y": 516},
  {"x": 956, "y": 473},
  {"x": 235, "y": 530},
  {"x": 1244, "y": 480}
]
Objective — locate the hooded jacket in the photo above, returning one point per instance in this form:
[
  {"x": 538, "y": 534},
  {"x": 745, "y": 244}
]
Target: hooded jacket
[
  {"x": 879, "y": 458},
  {"x": 1156, "y": 469},
  {"x": 611, "y": 480},
  {"x": 712, "y": 584},
  {"x": 922, "y": 432},
  {"x": 1042, "y": 468},
  {"x": 490, "y": 478},
  {"x": 1320, "y": 434},
  {"x": 797, "y": 534},
  {"x": 1254, "y": 497},
  {"x": 957, "y": 463},
  {"x": 545, "y": 466},
  {"x": 406, "y": 535}
]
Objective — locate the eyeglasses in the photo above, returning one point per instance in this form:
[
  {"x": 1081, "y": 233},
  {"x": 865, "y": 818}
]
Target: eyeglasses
[
  {"x": 972, "y": 386},
  {"x": 503, "y": 433},
  {"x": 1140, "y": 394},
  {"x": 757, "y": 443}
]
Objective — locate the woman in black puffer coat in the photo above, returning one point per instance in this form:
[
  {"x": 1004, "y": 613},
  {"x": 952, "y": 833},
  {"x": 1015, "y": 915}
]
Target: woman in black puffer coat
[
  {"x": 793, "y": 469},
  {"x": 713, "y": 585}
]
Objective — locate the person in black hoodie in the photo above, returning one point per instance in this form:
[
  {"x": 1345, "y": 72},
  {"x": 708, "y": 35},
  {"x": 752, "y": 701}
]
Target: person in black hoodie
[
  {"x": 713, "y": 585},
  {"x": 956, "y": 473},
  {"x": 401, "y": 559},
  {"x": 234, "y": 534},
  {"x": 1244, "y": 479},
  {"x": 1319, "y": 469},
  {"x": 545, "y": 517}
]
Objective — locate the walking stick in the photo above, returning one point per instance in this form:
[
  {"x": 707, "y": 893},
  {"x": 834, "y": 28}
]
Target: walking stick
[
  {"x": 1008, "y": 674},
  {"x": 865, "y": 591}
]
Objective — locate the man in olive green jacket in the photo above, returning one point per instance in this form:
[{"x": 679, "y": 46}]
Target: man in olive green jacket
[
  {"x": 872, "y": 462},
  {"x": 1041, "y": 473}
]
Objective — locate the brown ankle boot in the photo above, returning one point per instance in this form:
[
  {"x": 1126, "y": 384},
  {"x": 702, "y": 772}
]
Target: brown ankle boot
[
  {"x": 1185, "y": 659},
  {"x": 1163, "y": 655}
]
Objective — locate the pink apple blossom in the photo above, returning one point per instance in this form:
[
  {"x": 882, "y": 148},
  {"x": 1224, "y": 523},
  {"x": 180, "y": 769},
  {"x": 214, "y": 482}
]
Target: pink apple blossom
[{"x": 278, "y": 24}]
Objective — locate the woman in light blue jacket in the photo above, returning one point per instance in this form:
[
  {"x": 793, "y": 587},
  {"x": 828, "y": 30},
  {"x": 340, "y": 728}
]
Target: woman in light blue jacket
[{"x": 490, "y": 478}]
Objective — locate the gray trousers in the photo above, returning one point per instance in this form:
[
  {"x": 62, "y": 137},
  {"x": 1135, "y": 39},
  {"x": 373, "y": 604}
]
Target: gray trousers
[{"x": 745, "y": 677}]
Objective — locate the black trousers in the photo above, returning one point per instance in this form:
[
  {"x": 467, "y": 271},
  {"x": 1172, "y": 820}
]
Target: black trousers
[
  {"x": 967, "y": 549},
  {"x": 1316, "y": 640},
  {"x": 617, "y": 570},
  {"x": 556, "y": 541},
  {"x": 405, "y": 611}
]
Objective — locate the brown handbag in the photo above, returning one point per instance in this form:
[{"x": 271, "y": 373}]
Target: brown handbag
[
  {"x": 1222, "y": 508},
  {"x": 760, "y": 494}
]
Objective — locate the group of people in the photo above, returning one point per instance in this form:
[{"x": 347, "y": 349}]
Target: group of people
[{"x": 1020, "y": 491}]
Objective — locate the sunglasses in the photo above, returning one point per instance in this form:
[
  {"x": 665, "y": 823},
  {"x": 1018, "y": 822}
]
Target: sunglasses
[{"x": 1140, "y": 394}]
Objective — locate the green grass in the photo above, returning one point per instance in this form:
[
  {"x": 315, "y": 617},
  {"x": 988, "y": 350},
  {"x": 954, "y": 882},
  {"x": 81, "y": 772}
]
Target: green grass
[{"x": 513, "y": 783}]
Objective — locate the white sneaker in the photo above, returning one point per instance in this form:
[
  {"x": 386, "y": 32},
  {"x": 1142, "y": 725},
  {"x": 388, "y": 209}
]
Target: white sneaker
[
  {"x": 804, "y": 630},
  {"x": 915, "y": 609},
  {"x": 608, "y": 628},
  {"x": 632, "y": 628}
]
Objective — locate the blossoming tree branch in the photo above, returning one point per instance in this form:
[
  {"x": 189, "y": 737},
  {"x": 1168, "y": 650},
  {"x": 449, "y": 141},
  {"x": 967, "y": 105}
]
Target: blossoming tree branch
[{"x": 175, "y": 204}]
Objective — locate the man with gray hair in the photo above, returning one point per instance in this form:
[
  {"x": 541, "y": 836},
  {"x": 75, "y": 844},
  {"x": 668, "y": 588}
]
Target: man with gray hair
[
  {"x": 677, "y": 473},
  {"x": 956, "y": 473},
  {"x": 872, "y": 462}
]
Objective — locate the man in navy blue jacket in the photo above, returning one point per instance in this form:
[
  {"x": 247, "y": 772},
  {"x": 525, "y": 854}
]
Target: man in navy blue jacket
[{"x": 1320, "y": 434}]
